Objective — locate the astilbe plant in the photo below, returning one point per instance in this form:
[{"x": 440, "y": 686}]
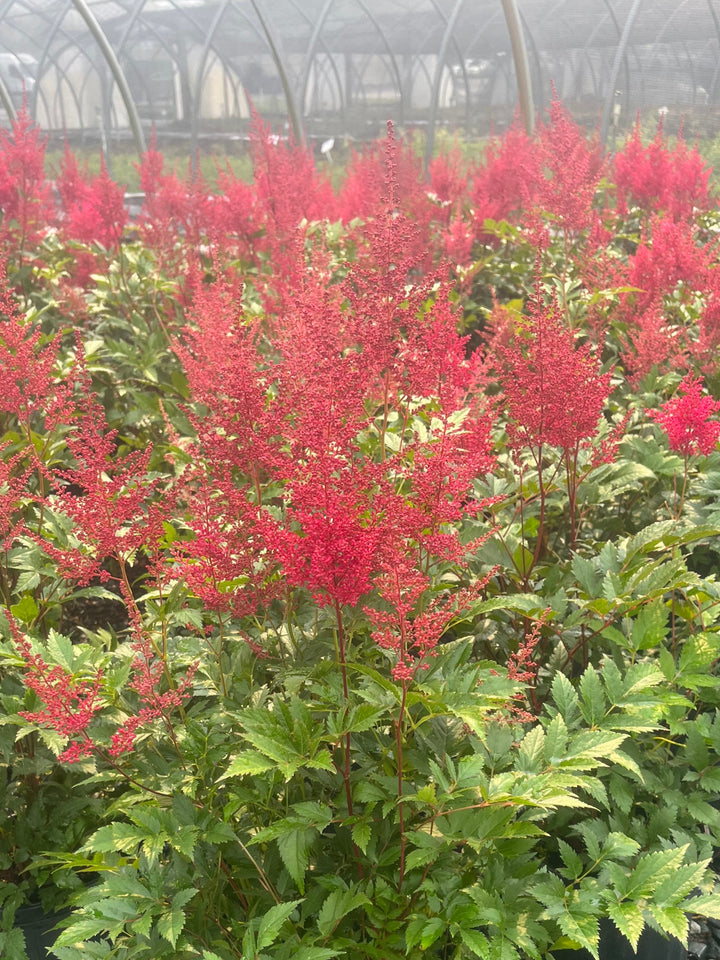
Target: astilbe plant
[
  {"x": 508, "y": 181},
  {"x": 555, "y": 396},
  {"x": 688, "y": 421},
  {"x": 25, "y": 194},
  {"x": 654, "y": 176},
  {"x": 572, "y": 166},
  {"x": 338, "y": 711}
]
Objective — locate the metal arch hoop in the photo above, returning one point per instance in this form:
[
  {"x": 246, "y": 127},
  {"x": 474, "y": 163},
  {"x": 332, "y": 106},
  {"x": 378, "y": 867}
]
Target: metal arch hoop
[
  {"x": 116, "y": 70},
  {"x": 310, "y": 56},
  {"x": 388, "y": 50},
  {"x": 713, "y": 14},
  {"x": 614, "y": 73},
  {"x": 295, "y": 120},
  {"x": 440, "y": 66},
  {"x": 522, "y": 65}
]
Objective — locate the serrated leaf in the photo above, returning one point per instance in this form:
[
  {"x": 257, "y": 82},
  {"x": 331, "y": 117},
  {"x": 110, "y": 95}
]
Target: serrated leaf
[
  {"x": 294, "y": 850},
  {"x": 628, "y": 918},
  {"x": 565, "y": 697},
  {"x": 170, "y": 925},
  {"x": 582, "y": 928},
  {"x": 315, "y": 953},
  {"x": 312, "y": 813},
  {"x": 672, "y": 920},
  {"x": 182, "y": 897},
  {"x": 620, "y": 845},
  {"x": 587, "y": 575},
  {"x": 433, "y": 929},
  {"x": 530, "y": 754},
  {"x": 649, "y": 627},
  {"x": 706, "y": 905},
  {"x": 477, "y": 942},
  {"x": 249, "y": 763},
  {"x": 84, "y": 929},
  {"x": 653, "y": 869},
  {"x": 556, "y": 737},
  {"x": 61, "y": 650},
  {"x": 116, "y": 838},
  {"x": 592, "y": 697},
  {"x": 667, "y": 664},
  {"x": 361, "y": 835},
  {"x": 272, "y": 922},
  {"x": 363, "y": 717},
  {"x": 336, "y": 906},
  {"x": 571, "y": 859},
  {"x": 681, "y": 882}
]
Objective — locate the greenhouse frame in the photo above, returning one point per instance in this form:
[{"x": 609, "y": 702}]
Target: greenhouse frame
[{"x": 192, "y": 70}]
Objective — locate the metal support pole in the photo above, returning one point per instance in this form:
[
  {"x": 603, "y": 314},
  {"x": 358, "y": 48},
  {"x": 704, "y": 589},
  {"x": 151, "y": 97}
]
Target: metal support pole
[
  {"x": 619, "y": 54},
  {"x": 522, "y": 65},
  {"x": 116, "y": 70},
  {"x": 6, "y": 101},
  {"x": 296, "y": 123},
  {"x": 437, "y": 79}
]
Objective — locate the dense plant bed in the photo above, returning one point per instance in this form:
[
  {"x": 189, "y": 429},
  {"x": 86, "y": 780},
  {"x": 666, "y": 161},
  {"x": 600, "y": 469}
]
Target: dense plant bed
[{"x": 359, "y": 552}]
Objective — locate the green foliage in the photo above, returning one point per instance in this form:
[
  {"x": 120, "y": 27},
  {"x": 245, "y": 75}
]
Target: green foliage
[{"x": 554, "y": 765}]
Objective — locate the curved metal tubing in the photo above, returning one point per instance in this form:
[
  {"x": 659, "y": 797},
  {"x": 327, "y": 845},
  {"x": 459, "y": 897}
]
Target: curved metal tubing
[
  {"x": 439, "y": 68},
  {"x": 7, "y": 101},
  {"x": 522, "y": 64},
  {"x": 389, "y": 51},
  {"x": 713, "y": 86},
  {"x": 200, "y": 78},
  {"x": 461, "y": 61},
  {"x": 615, "y": 72},
  {"x": 58, "y": 19},
  {"x": 116, "y": 70},
  {"x": 295, "y": 119},
  {"x": 310, "y": 53}
]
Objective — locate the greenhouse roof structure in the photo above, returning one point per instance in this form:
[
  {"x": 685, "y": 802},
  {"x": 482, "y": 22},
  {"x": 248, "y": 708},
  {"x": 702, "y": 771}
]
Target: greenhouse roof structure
[{"x": 194, "y": 69}]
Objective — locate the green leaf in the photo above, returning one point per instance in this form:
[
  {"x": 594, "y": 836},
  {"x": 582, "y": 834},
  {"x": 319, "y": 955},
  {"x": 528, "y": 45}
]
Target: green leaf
[
  {"x": 565, "y": 697},
  {"x": 681, "y": 882},
  {"x": 649, "y": 627},
  {"x": 628, "y": 918},
  {"x": 667, "y": 664},
  {"x": 170, "y": 925},
  {"x": 336, "y": 906},
  {"x": 315, "y": 953},
  {"x": 83, "y": 929},
  {"x": 25, "y": 610},
  {"x": 571, "y": 859},
  {"x": 706, "y": 905},
  {"x": 294, "y": 848},
  {"x": 272, "y": 922},
  {"x": 531, "y": 752},
  {"x": 587, "y": 575},
  {"x": 476, "y": 941},
  {"x": 592, "y": 702},
  {"x": 361, "y": 835},
  {"x": 249, "y": 763},
  {"x": 582, "y": 928},
  {"x": 433, "y": 929},
  {"x": 673, "y": 921},
  {"x": 620, "y": 845},
  {"x": 653, "y": 869},
  {"x": 61, "y": 650},
  {"x": 556, "y": 737}
]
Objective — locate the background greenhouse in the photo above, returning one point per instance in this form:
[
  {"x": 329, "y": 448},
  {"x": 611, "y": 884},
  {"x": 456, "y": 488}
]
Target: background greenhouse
[{"x": 331, "y": 72}]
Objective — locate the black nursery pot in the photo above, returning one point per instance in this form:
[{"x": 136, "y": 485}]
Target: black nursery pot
[
  {"x": 38, "y": 928},
  {"x": 613, "y": 946}
]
